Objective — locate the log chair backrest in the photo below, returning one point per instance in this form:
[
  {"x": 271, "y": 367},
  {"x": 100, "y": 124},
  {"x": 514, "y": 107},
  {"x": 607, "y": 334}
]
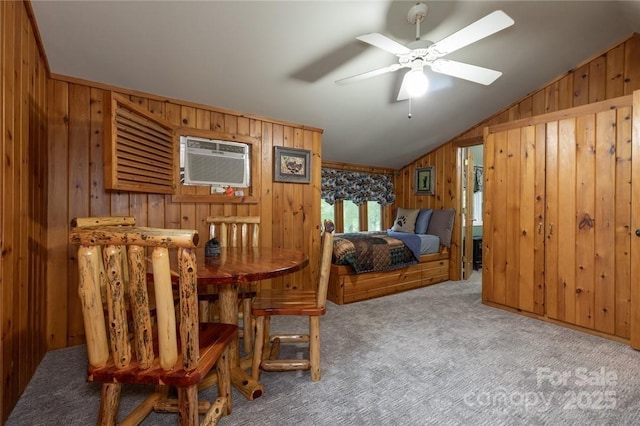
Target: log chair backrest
[
  {"x": 235, "y": 231},
  {"x": 325, "y": 262},
  {"x": 117, "y": 239},
  {"x": 98, "y": 221}
]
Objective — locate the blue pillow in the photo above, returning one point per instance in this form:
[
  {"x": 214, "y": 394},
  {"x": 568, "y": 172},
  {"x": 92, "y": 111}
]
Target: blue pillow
[{"x": 422, "y": 222}]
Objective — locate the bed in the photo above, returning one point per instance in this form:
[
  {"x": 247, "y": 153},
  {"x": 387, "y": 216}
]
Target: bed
[{"x": 413, "y": 253}]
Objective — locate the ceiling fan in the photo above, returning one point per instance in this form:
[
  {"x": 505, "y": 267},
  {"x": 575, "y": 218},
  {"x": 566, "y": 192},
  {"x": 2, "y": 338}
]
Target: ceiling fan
[{"x": 421, "y": 53}]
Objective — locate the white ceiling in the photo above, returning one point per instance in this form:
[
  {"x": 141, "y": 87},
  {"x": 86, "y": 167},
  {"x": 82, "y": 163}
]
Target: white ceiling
[{"x": 280, "y": 59}]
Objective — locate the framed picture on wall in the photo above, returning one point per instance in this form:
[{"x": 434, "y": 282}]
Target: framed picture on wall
[
  {"x": 292, "y": 165},
  {"x": 425, "y": 183}
]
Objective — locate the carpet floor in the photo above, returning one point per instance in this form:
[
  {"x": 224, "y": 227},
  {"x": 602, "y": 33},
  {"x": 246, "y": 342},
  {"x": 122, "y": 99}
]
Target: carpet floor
[{"x": 434, "y": 355}]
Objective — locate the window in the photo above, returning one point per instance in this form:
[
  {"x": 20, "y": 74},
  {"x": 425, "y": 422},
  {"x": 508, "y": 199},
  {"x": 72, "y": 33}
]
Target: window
[
  {"x": 374, "y": 216},
  {"x": 351, "y": 216},
  {"x": 356, "y": 201},
  {"x": 366, "y": 217},
  {"x": 327, "y": 212}
]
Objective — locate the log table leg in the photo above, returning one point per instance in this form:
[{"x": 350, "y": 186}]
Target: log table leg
[{"x": 249, "y": 387}]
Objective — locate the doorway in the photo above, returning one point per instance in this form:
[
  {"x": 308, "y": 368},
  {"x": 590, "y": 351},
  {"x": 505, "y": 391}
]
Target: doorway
[{"x": 471, "y": 209}]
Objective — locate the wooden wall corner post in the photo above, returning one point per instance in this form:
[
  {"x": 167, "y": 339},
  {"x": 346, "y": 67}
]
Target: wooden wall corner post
[
  {"x": 487, "y": 276},
  {"x": 635, "y": 224}
]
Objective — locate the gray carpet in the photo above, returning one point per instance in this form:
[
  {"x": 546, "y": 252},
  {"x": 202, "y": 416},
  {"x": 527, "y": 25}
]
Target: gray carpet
[{"x": 429, "y": 356}]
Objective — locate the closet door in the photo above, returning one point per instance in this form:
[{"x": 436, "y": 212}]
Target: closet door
[
  {"x": 635, "y": 223},
  {"x": 588, "y": 220},
  {"x": 513, "y": 213}
]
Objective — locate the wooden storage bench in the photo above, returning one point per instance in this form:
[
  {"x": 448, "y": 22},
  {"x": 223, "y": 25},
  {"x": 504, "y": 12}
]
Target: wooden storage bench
[{"x": 345, "y": 286}]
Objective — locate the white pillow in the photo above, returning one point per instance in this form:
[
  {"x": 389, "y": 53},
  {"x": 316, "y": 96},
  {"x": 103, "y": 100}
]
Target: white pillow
[{"x": 405, "y": 220}]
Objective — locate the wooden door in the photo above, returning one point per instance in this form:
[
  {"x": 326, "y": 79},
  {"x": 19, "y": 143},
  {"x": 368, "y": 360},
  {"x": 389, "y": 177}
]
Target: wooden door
[
  {"x": 635, "y": 223},
  {"x": 559, "y": 204},
  {"x": 513, "y": 210},
  {"x": 588, "y": 219}
]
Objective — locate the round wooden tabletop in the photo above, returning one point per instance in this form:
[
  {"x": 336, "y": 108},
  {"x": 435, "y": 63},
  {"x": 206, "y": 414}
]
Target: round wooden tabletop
[{"x": 250, "y": 264}]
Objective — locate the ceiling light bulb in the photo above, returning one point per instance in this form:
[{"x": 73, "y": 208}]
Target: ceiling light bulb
[{"x": 417, "y": 83}]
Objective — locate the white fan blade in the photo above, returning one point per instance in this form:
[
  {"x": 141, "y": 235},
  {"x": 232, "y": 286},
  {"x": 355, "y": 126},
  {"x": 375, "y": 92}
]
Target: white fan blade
[
  {"x": 473, "y": 73},
  {"x": 384, "y": 43},
  {"x": 403, "y": 93},
  {"x": 358, "y": 77},
  {"x": 484, "y": 27}
]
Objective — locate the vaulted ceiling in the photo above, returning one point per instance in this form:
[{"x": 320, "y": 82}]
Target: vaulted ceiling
[{"x": 280, "y": 59}]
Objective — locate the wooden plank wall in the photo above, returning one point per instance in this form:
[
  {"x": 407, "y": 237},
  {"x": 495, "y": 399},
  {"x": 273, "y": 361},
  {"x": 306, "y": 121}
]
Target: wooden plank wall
[
  {"x": 50, "y": 142},
  {"x": 564, "y": 178},
  {"x": 290, "y": 212},
  {"x": 512, "y": 262},
  {"x": 447, "y": 193},
  {"x": 591, "y": 287},
  {"x": 613, "y": 73},
  {"x": 23, "y": 201}
]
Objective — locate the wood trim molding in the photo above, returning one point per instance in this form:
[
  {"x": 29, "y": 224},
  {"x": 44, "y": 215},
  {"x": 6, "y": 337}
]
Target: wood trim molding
[
  {"x": 622, "y": 101},
  {"x": 212, "y": 134},
  {"x": 358, "y": 168},
  {"x": 463, "y": 143}
]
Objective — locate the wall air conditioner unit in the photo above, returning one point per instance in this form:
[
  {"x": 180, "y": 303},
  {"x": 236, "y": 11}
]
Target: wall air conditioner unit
[{"x": 214, "y": 162}]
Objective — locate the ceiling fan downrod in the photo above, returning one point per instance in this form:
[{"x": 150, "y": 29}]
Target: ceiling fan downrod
[{"x": 416, "y": 15}]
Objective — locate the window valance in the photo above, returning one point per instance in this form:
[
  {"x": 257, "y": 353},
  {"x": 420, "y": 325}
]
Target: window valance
[{"x": 357, "y": 186}]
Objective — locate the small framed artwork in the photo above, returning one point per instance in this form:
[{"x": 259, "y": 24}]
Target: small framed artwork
[
  {"x": 425, "y": 183},
  {"x": 292, "y": 165}
]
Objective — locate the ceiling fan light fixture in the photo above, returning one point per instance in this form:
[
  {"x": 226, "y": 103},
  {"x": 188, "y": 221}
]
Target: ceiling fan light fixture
[
  {"x": 416, "y": 83},
  {"x": 421, "y": 53}
]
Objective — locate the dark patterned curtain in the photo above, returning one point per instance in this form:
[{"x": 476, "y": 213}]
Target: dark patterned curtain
[{"x": 357, "y": 187}]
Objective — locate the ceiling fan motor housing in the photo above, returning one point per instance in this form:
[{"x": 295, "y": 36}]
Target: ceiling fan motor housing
[{"x": 419, "y": 50}]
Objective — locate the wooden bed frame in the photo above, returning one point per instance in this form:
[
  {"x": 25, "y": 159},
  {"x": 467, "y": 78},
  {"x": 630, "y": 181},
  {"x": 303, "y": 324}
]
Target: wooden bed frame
[{"x": 345, "y": 286}]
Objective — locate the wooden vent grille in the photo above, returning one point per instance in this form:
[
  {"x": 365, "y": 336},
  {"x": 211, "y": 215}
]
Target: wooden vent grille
[{"x": 140, "y": 150}]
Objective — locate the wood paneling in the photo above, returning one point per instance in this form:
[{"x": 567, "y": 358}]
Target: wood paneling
[
  {"x": 624, "y": 225},
  {"x": 290, "y": 212},
  {"x": 635, "y": 227},
  {"x": 446, "y": 195},
  {"x": 43, "y": 121},
  {"x": 23, "y": 202},
  {"x": 606, "y": 76},
  {"x": 586, "y": 250}
]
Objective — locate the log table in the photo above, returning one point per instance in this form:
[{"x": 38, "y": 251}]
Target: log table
[{"x": 244, "y": 265}]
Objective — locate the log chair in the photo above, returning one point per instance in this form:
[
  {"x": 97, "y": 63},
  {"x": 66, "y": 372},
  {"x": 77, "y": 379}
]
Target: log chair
[
  {"x": 311, "y": 303},
  {"x": 234, "y": 231},
  {"x": 131, "y": 358}
]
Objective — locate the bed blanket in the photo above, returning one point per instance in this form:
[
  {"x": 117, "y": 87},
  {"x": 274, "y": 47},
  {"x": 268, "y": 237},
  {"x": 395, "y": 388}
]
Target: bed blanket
[{"x": 374, "y": 251}]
